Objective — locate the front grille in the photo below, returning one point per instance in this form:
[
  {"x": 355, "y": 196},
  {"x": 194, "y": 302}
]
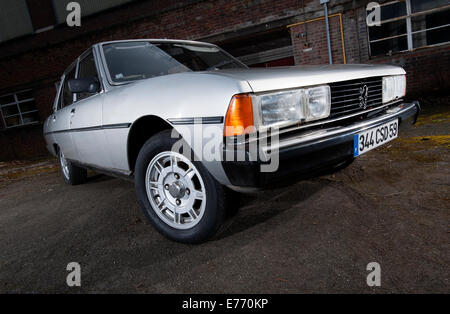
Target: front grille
[{"x": 348, "y": 97}]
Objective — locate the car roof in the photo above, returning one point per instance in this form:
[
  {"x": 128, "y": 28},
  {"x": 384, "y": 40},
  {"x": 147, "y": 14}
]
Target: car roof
[{"x": 154, "y": 40}]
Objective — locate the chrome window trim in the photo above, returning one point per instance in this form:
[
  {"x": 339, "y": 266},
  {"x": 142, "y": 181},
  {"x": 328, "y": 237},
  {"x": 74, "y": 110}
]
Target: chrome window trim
[
  {"x": 58, "y": 94},
  {"x": 63, "y": 80},
  {"x": 74, "y": 95}
]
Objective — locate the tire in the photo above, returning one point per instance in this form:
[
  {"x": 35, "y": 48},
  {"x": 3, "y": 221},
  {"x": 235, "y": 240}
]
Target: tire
[
  {"x": 71, "y": 173},
  {"x": 179, "y": 197}
]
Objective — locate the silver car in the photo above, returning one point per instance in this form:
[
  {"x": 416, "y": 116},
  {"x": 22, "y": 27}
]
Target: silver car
[{"x": 189, "y": 123}]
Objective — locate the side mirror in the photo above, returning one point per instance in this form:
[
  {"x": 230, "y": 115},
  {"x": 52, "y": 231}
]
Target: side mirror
[{"x": 84, "y": 85}]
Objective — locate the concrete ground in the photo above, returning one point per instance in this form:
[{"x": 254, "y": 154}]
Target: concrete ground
[{"x": 390, "y": 206}]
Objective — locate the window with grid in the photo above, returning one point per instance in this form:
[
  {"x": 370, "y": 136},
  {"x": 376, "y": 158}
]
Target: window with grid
[
  {"x": 410, "y": 24},
  {"x": 18, "y": 109}
]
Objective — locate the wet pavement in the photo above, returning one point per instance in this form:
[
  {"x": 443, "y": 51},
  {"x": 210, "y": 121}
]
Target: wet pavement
[{"x": 391, "y": 206}]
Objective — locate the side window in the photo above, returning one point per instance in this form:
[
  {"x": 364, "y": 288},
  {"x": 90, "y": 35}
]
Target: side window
[
  {"x": 87, "y": 69},
  {"x": 66, "y": 98}
]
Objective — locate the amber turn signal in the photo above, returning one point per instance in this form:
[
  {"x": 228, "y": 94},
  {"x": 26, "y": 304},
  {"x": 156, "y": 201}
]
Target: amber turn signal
[{"x": 239, "y": 119}]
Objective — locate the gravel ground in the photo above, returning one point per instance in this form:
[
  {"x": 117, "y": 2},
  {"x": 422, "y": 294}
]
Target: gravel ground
[{"x": 390, "y": 206}]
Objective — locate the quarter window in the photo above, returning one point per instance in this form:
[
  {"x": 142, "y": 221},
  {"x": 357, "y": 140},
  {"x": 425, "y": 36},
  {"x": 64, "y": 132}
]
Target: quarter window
[
  {"x": 410, "y": 24},
  {"x": 19, "y": 109}
]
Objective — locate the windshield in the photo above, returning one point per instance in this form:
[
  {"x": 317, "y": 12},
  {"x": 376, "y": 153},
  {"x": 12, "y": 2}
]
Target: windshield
[{"x": 129, "y": 61}]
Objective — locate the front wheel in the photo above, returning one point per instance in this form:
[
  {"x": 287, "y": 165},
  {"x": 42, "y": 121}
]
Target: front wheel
[
  {"x": 72, "y": 174},
  {"x": 179, "y": 196}
]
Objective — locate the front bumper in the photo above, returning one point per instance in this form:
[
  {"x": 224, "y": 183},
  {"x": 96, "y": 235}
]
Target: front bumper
[{"x": 308, "y": 152}]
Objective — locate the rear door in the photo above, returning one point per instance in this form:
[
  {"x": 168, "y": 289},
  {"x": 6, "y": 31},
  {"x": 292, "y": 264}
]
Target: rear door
[{"x": 60, "y": 119}]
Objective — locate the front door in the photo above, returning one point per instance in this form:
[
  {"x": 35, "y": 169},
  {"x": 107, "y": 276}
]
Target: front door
[{"x": 86, "y": 120}]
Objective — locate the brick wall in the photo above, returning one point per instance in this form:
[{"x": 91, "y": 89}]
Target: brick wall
[
  {"x": 310, "y": 42},
  {"x": 201, "y": 19},
  {"x": 37, "y": 61},
  {"x": 427, "y": 69}
]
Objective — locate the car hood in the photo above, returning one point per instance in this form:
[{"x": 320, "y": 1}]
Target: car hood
[{"x": 267, "y": 79}]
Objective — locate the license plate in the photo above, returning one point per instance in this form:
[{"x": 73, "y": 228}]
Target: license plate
[{"x": 372, "y": 138}]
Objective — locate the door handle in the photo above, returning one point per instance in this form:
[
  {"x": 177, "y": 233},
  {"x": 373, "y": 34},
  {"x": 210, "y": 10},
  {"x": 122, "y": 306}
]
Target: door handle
[{"x": 72, "y": 112}]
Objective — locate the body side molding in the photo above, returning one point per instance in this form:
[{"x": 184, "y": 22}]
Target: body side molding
[{"x": 94, "y": 128}]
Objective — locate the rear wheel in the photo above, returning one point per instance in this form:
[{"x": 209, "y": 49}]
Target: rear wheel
[
  {"x": 72, "y": 174},
  {"x": 179, "y": 196}
]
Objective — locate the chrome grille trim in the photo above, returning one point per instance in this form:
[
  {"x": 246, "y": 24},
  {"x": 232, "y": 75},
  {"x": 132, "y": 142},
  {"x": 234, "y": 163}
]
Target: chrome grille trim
[
  {"x": 324, "y": 134},
  {"x": 338, "y": 84},
  {"x": 345, "y": 96},
  {"x": 296, "y": 126},
  {"x": 327, "y": 121}
]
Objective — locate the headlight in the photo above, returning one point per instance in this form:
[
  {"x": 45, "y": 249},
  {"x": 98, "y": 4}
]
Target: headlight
[
  {"x": 281, "y": 107},
  {"x": 394, "y": 87},
  {"x": 318, "y": 100},
  {"x": 294, "y": 106}
]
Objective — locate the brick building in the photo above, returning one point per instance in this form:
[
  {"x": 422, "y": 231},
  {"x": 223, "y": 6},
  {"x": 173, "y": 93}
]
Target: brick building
[{"x": 36, "y": 44}]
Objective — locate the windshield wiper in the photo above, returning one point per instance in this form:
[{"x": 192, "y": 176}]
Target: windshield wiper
[{"x": 220, "y": 64}]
